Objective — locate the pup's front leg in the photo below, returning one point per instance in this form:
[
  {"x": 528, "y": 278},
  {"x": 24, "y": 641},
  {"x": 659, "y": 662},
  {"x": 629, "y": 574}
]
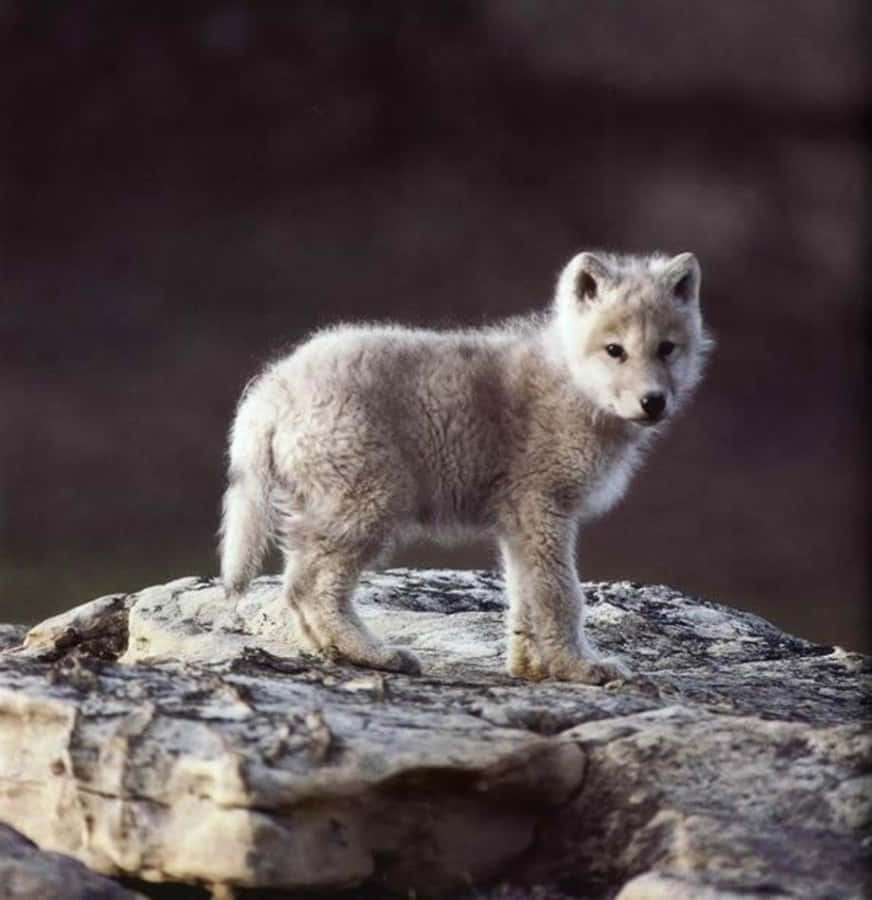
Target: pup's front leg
[
  {"x": 546, "y": 606},
  {"x": 523, "y": 659}
]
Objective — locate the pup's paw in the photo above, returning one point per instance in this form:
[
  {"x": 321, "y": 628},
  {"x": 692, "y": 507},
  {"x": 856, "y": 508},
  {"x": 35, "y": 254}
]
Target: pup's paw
[
  {"x": 529, "y": 670},
  {"x": 523, "y": 659},
  {"x": 380, "y": 656},
  {"x": 398, "y": 660},
  {"x": 590, "y": 671},
  {"x": 619, "y": 669}
]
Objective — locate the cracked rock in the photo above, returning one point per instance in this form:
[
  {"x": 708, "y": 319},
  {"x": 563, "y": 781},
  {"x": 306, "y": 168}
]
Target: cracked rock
[{"x": 173, "y": 736}]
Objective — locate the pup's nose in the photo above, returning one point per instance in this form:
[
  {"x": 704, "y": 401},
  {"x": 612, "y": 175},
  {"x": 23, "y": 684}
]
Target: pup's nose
[{"x": 653, "y": 404}]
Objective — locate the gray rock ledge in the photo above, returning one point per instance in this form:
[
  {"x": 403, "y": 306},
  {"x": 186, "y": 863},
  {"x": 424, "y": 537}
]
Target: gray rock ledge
[
  {"x": 172, "y": 736},
  {"x": 27, "y": 872}
]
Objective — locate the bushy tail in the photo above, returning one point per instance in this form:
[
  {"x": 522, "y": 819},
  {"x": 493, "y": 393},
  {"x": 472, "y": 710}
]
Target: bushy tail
[{"x": 247, "y": 518}]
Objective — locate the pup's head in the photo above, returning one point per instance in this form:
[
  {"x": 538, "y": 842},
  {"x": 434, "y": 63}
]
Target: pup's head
[{"x": 632, "y": 331}]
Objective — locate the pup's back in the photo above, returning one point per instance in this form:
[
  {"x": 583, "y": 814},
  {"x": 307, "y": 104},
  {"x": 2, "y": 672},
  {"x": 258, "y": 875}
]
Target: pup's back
[{"x": 420, "y": 414}]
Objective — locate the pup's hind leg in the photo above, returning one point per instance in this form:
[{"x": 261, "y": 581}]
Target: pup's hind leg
[{"x": 320, "y": 578}]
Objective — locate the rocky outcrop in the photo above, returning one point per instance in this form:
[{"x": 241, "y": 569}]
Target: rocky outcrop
[{"x": 169, "y": 735}]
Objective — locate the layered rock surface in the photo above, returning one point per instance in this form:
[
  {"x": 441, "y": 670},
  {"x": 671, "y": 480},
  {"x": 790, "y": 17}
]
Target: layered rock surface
[{"x": 170, "y": 735}]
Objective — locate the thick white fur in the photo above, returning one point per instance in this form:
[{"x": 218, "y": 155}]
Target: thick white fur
[{"x": 366, "y": 435}]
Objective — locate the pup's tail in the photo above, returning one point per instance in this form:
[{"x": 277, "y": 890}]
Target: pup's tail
[{"x": 247, "y": 518}]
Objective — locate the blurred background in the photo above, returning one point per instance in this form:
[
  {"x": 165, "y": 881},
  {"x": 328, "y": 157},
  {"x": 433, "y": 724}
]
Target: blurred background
[{"x": 188, "y": 188}]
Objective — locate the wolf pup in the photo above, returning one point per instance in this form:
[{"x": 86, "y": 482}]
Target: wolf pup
[{"x": 368, "y": 435}]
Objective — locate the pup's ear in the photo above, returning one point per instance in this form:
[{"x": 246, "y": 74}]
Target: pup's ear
[
  {"x": 682, "y": 276},
  {"x": 590, "y": 272}
]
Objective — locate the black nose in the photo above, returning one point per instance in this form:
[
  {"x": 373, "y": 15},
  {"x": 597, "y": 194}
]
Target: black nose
[{"x": 653, "y": 404}]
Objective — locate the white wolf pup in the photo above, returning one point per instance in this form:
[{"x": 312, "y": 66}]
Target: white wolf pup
[{"x": 365, "y": 436}]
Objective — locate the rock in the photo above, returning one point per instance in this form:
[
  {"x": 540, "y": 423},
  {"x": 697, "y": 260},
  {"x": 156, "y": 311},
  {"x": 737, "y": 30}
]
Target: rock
[
  {"x": 27, "y": 872},
  {"x": 169, "y": 735},
  {"x": 11, "y": 635}
]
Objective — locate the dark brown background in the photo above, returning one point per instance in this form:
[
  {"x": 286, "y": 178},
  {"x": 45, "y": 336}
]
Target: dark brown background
[{"x": 184, "y": 192}]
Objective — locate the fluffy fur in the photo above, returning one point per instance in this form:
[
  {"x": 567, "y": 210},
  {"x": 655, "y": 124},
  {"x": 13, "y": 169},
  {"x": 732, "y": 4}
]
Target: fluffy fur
[{"x": 365, "y": 436}]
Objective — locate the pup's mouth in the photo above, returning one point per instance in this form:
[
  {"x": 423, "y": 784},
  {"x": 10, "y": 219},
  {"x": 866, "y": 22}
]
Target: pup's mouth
[{"x": 647, "y": 421}]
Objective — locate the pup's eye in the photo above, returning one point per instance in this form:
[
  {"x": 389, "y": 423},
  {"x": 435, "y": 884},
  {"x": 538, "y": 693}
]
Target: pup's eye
[
  {"x": 665, "y": 349},
  {"x": 615, "y": 350}
]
